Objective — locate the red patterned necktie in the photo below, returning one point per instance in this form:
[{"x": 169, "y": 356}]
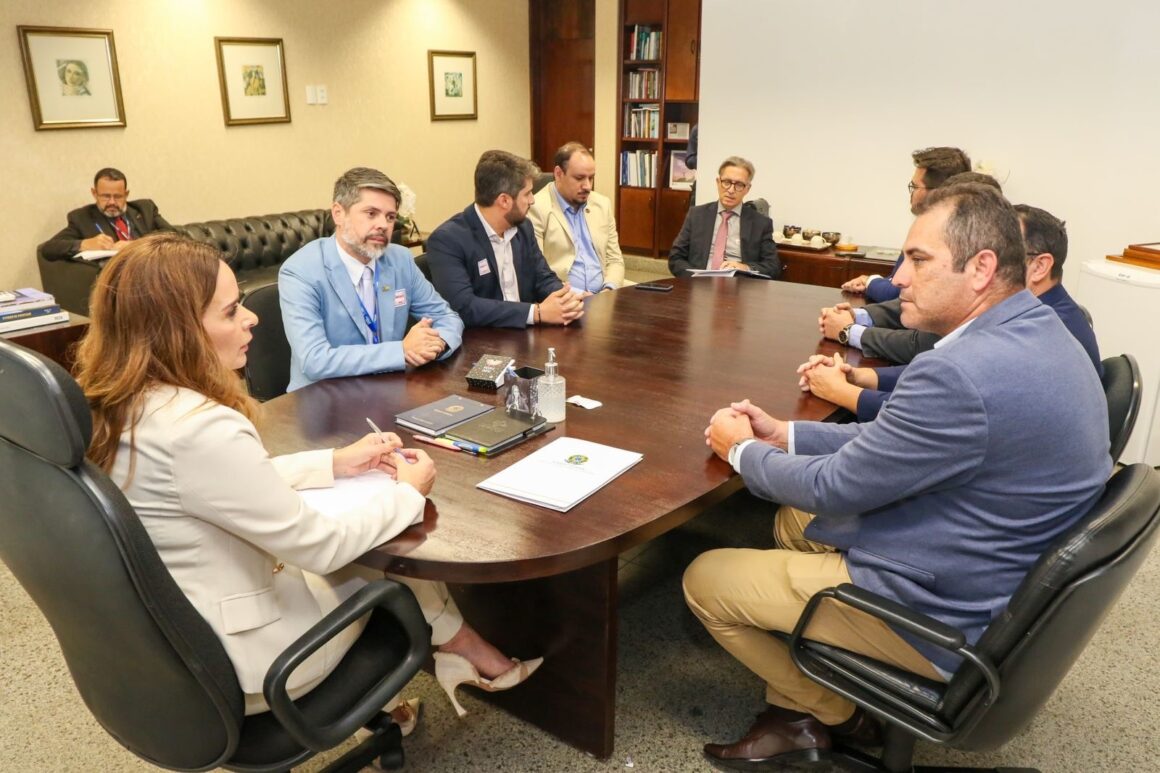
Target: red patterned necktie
[
  {"x": 122, "y": 229},
  {"x": 718, "y": 255}
]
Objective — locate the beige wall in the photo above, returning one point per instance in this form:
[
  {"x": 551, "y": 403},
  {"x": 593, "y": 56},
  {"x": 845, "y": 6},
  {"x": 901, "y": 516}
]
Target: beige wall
[{"x": 372, "y": 54}]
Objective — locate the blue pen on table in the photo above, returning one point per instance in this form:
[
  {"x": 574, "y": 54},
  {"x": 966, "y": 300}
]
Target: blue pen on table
[{"x": 379, "y": 432}]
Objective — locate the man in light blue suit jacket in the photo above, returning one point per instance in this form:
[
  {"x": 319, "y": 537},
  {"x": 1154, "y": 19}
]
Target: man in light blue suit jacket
[
  {"x": 942, "y": 503},
  {"x": 346, "y": 299}
]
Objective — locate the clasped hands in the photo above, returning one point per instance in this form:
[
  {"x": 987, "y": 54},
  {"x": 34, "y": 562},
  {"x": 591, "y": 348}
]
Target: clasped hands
[
  {"x": 422, "y": 343},
  {"x": 740, "y": 421},
  {"x": 562, "y": 307},
  {"x": 386, "y": 453},
  {"x": 834, "y": 318},
  {"x": 834, "y": 379}
]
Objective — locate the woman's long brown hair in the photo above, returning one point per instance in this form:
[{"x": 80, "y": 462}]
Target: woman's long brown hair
[{"x": 146, "y": 330}]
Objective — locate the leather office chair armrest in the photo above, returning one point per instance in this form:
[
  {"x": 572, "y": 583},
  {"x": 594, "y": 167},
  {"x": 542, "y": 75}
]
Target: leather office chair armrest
[
  {"x": 901, "y": 697},
  {"x": 384, "y": 594}
]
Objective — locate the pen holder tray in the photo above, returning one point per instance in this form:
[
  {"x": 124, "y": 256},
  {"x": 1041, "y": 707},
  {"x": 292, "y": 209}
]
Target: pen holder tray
[{"x": 522, "y": 391}]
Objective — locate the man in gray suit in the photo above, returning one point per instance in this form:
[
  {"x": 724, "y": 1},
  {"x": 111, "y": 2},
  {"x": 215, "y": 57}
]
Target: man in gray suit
[
  {"x": 974, "y": 473},
  {"x": 727, "y": 233}
]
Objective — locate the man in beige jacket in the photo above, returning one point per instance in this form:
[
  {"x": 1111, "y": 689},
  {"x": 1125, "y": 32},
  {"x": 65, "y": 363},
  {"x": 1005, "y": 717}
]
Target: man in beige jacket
[{"x": 575, "y": 225}]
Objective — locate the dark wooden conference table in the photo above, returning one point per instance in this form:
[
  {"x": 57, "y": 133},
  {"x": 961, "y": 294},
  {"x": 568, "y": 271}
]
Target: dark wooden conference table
[{"x": 538, "y": 582}]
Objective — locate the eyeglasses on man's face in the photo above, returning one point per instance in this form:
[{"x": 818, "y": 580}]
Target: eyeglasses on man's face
[
  {"x": 910, "y": 186},
  {"x": 732, "y": 185}
]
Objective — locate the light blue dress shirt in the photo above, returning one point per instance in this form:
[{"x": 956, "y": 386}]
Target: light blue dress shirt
[{"x": 587, "y": 271}]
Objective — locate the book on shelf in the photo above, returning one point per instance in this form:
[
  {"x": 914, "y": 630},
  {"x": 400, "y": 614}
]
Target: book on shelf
[
  {"x": 35, "y": 321},
  {"x": 14, "y": 313},
  {"x": 25, "y": 298},
  {"x": 642, "y": 121},
  {"x": 644, "y": 43},
  {"x": 638, "y": 168},
  {"x": 681, "y": 177},
  {"x": 644, "y": 84},
  {"x": 438, "y": 417}
]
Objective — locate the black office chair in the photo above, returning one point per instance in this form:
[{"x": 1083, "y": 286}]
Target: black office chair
[
  {"x": 147, "y": 665},
  {"x": 423, "y": 264},
  {"x": 1122, "y": 387},
  {"x": 1022, "y": 656},
  {"x": 542, "y": 179},
  {"x": 268, "y": 361}
]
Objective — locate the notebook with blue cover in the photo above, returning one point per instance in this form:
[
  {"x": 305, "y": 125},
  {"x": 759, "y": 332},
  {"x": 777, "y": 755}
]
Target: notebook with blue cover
[{"x": 438, "y": 417}]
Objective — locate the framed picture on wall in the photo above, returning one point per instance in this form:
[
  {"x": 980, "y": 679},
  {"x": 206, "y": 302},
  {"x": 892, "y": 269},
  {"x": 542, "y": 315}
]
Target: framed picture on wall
[
  {"x": 252, "y": 74},
  {"x": 72, "y": 77},
  {"x": 453, "y": 92}
]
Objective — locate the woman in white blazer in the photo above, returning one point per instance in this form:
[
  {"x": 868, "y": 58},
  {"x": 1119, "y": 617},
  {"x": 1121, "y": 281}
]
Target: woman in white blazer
[{"x": 172, "y": 425}]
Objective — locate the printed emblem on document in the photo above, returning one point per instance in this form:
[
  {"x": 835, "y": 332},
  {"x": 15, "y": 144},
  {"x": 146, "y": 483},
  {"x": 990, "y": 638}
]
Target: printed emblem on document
[{"x": 577, "y": 459}]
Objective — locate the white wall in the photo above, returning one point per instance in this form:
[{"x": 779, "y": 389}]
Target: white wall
[
  {"x": 372, "y": 54},
  {"x": 1061, "y": 99}
]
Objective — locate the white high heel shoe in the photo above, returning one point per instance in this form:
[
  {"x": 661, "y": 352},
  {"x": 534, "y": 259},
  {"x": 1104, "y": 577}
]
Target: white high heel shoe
[{"x": 452, "y": 670}]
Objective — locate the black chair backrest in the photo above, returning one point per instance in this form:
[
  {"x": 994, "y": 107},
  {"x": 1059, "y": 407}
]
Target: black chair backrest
[
  {"x": 261, "y": 241},
  {"x": 542, "y": 179},
  {"x": 1122, "y": 388},
  {"x": 424, "y": 266},
  {"x": 268, "y": 361},
  {"x": 147, "y": 665},
  {"x": 1058, "y": 608}
]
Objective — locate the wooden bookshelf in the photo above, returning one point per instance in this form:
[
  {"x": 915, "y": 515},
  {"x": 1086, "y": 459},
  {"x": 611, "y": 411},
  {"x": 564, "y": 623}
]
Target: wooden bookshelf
[{"x": 659, "y": 62}]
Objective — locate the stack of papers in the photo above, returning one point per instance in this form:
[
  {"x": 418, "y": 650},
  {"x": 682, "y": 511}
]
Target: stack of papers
[
  {"x": 349, "y": 493},
  {"x": 92, "y": 255},
  {"x": 562, "y": 474},
  {"x": 726, "y": 272}
]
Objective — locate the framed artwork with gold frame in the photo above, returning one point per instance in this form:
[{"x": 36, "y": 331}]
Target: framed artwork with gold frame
[
  {"x": 72, "y": 77},
  {"x": 252, "y": 75},
  {"x": 453, "y": 87}
]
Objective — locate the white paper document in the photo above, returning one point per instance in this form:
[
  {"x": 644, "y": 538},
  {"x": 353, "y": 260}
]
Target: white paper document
[
  {"x": 348, "y": 493},
  {"x": 96, "y": 254},
  {"x": 561, "y": 474},
  {"x": 712, "y": 271}
]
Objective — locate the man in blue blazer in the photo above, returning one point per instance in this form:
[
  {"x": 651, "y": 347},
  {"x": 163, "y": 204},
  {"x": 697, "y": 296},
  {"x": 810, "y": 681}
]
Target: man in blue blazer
[
  {"x": 942, "y": 503},
  {"x": 346, "y": 299},
  {"x": 485, "y": 261}
]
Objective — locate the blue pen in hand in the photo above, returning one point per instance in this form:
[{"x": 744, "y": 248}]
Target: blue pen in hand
[{"x": 379, "y": 432}]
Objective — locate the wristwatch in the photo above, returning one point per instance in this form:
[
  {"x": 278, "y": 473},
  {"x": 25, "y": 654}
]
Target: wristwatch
[
  {"x": 733, "y": 449},
  {"x": 844, "y": 334}
]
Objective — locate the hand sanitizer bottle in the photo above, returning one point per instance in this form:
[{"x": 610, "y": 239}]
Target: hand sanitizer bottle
[{"x": 551, "y": 390}]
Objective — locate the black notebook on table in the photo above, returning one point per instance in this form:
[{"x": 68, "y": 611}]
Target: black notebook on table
[
  {"x": 498, "y": 430},
  {"x": 438, "y": 417}
]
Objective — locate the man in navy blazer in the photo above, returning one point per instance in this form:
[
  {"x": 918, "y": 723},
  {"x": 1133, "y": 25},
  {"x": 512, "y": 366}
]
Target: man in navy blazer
[
  {"x": 749, "y": 242},
  {"x": 109, "y": 223},
  {"x": 865, "y": 390},
  {"x": 942, "y": 503},
  {"x": 485, "y": 260},
  {"x": 346, "y": 299},
  {"x": 933, "y": 167}
]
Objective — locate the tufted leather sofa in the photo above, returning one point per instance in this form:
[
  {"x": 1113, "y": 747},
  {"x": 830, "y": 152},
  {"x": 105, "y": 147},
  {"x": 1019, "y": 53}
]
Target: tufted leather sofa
[{"x": 253, "y": 246}]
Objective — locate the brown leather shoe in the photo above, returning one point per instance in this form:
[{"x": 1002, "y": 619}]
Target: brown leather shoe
[
  {"x": 861, "y": 729},
  {"x": 777, "y": 736}
]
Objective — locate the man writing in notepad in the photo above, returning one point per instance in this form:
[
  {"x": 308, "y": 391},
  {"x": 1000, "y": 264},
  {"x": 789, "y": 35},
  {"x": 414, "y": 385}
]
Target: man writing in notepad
[{"x": 109, "y": 223}]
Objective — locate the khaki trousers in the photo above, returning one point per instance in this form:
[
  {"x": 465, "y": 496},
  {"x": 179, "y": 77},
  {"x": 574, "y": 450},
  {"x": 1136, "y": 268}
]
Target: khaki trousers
[{"x": 739, "y": 595}]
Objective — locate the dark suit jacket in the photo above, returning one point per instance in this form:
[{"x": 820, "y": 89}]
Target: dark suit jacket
[
  {"x": 458, "y": 249},
  {"x": 691, "y": 249},
  {"x": 86, "y": 222},
  {"x": 888, "y": 339}
]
